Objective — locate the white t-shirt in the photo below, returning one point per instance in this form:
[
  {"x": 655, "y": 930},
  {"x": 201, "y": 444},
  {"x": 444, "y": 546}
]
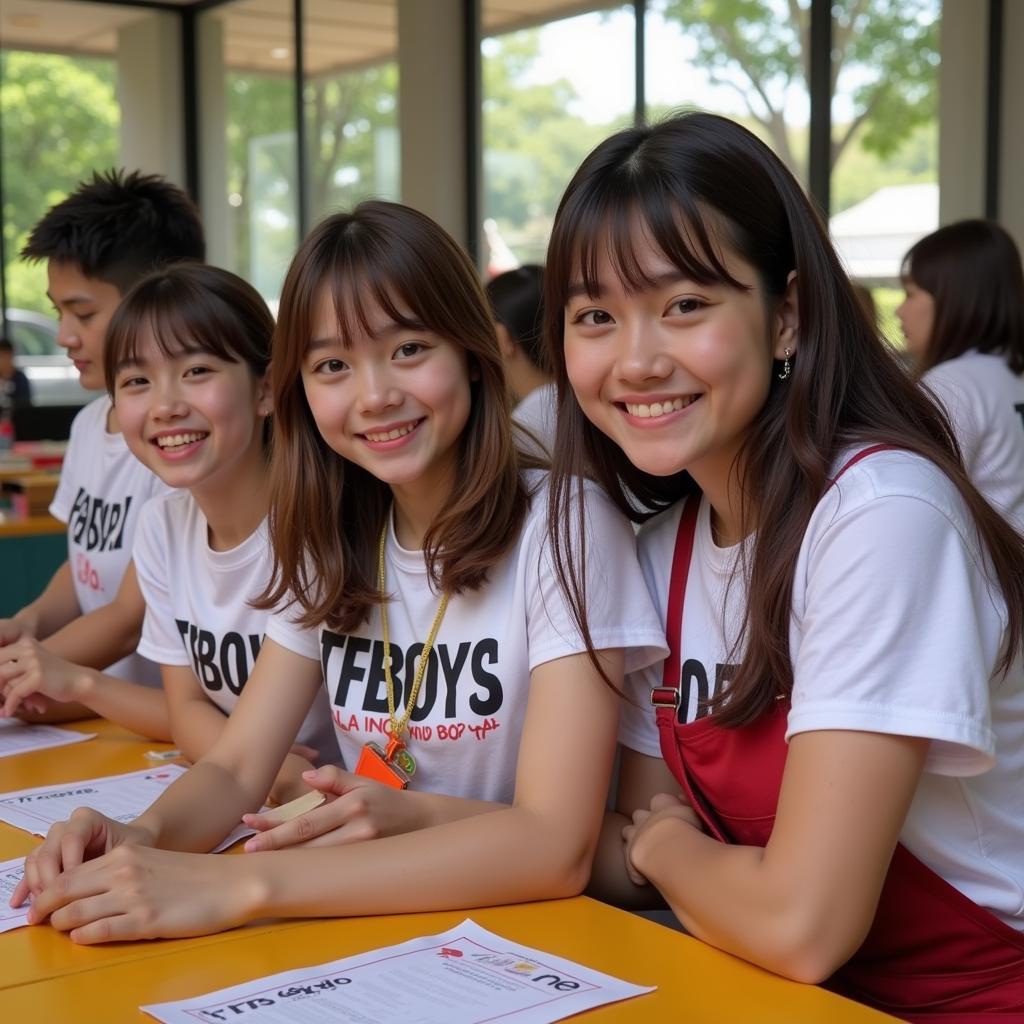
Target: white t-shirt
[
  {"x": 101, "y": 493},
  {"x": 985, "y": 403},
  {"x": 895, "y": 629},
  {"x": 538, "y": 412},
  {"x": 465, "y": 729},
  {"x": 197, "y": 610}
]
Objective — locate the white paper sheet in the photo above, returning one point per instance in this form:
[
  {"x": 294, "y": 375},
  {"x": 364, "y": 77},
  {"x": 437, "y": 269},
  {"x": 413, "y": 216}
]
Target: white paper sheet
[
  {"x": 467, "y": 975},
  {"x": 121, "y": 797},
  {"x": 17, "y": 737},
  {"x": 11, "y": 872}
]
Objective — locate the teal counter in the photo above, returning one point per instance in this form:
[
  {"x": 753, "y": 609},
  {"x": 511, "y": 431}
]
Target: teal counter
[{"x": 30, "y": 552}]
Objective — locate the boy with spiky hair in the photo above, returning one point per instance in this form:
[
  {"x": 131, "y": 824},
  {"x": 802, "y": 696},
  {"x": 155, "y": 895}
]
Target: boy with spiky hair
[{"x": 97, "y": 243}]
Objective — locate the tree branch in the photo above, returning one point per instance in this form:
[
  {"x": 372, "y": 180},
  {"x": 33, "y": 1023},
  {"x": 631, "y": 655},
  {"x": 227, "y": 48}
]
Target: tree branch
[
  {"x": 841, "y": 36},
  {"x": 732, "y": 47},
  {"x": 869, "y": 109}
]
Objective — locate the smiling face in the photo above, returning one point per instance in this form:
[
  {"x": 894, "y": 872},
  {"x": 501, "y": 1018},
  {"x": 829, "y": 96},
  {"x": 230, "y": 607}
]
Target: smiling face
[
  {"x": 84, "y": 306},
  {"x": 676, "y": 372},
  {"x": 193, "y": 418},
  {"x": 916, "y": 314},
  {"x": 394, "y": 400}
]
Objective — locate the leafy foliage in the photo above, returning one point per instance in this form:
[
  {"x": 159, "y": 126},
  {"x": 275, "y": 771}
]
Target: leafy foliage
[
  {"x": 884, "y": 59},
  {"x": 60, "y": 121}
]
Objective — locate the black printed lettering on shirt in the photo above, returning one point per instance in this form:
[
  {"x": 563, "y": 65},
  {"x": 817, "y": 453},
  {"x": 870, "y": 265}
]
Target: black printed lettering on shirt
[
  {"x": 356, "y": 675},
  {"x": 98, "y": 525},
  {"x": 487, "y": 681},
  {"x": 1019, "y": 406},
  {"x": 220, "y": 662},
  {"x": 694, "y": 689}
]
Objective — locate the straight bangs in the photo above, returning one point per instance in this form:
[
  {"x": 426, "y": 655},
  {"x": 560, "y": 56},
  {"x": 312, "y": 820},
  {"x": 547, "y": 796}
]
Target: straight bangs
[
  {"x": 190, "y": 309},
  {"x": 364, "y": 296},
  {"x": 614, "y": 220}
]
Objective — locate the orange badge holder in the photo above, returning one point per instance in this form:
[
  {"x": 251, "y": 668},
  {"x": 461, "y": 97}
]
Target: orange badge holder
[{"x": 373, "y": 765}]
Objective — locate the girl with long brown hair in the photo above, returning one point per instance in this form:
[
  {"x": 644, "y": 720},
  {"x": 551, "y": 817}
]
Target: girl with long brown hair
[
  {"x": 963, "y": 320},
  {"x": 412, "y": 575},
  {"x": 832, "y": 783}
]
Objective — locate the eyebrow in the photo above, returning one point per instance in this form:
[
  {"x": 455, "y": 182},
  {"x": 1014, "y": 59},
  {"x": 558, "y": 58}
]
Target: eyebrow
[
  {"x": 318, "y": 343},
  {"x": 578, "y": 288},
  {"x": 73, "y": 300},
  {"x": 130, "y": 361}
]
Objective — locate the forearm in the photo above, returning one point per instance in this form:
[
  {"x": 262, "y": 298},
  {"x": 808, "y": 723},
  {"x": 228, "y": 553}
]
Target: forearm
[
  {"x": 732, "y": 897},
  {"x": 513, "y": 856},
  {"x": 438, "y": 809},
  {"x": 69, "y": 711},
  {"x": 198, "y": 810},
  {"x": 56, "y": 606},
  {"x": 141, "y": 709},
  {"x": 196, "y": 725},
  {"x": 98, "y": 639},
  {"x": 609, "y": 880}
]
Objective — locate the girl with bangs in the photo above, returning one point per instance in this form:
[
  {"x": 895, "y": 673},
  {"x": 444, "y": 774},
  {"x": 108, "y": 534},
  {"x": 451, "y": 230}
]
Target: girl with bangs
[
  {"x": 963, "y": 321},
  {"x": 413, "y": 577},
  {"x": 186, "y": 369},
  {"x": 832, "y": 783}
]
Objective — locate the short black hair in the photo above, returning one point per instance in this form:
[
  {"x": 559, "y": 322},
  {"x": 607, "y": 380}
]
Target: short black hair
[
  {"x": 516, "y": 298},
  {"x": 118, "y": 226},
  {"x": 6, "y": 346}
]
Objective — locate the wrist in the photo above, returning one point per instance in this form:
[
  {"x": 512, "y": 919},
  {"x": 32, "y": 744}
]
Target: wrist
[
  {"x": 659, "y": 847},
  {"x": 85, "y": 684},
  {"x": 143, "y": 832},
  {"x": 255, "y": 891},
  {"x": 28, "y": 619}
]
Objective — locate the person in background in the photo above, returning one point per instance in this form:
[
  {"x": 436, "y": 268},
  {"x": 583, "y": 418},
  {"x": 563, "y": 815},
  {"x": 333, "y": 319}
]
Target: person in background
[
  {"x": 111, "y": 231},
  {"x": 516, "y": 298},
  {"x": 963, "y": 319},
  {"x": 15, "y": 388}
]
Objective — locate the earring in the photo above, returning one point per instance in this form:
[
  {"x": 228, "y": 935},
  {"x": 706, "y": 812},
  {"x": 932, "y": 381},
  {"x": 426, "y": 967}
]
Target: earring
[{"x": 786, "y": 368}]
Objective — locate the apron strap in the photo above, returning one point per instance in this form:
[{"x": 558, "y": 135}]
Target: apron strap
[{"x": 681, "y": 557}]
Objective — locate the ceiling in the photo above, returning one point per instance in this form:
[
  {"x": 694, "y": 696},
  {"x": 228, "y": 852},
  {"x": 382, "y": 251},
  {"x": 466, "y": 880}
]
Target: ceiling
[{"x": 258, "y": 34}]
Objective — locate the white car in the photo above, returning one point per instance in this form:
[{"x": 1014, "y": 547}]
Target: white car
[{"x": 51, "y": 373}]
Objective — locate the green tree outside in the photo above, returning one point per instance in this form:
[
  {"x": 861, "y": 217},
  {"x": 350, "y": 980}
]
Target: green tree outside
[
  {"x": 60, "y": 120},
  {"x": 886, "y": 50}
]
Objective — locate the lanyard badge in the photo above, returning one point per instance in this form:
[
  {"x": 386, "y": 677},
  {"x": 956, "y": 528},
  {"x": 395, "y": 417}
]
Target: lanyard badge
[{"x": 395, "y": 765}]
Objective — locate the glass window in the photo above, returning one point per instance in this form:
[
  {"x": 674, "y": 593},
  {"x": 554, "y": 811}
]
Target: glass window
[
  {"x": 351, "y": 103},
  {"x": 747, "y": 61},
  {"x": 247, "y": 103},
  {"x": 551, "y": 91},
  {"x": 885, "y": 155},
  {"x": 59, "y": 116}
]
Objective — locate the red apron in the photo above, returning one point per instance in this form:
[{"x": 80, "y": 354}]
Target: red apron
[{"x": 932, "y": 956}]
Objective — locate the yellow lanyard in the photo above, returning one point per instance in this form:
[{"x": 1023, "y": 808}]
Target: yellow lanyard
[{"x": 398, "y": 726}]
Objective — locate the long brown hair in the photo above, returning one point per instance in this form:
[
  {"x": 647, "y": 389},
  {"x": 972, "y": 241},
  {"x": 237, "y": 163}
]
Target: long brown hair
[
  {"x": 697, "y": 182},
  {"x": 327, "y": 512},
  {"x": 972, "y": 270}
]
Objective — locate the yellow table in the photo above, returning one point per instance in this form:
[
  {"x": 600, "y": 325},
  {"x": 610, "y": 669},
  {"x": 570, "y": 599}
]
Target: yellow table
[
  {"x": 34, "y": 954},
  {"x": 45, "y": 977}
]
